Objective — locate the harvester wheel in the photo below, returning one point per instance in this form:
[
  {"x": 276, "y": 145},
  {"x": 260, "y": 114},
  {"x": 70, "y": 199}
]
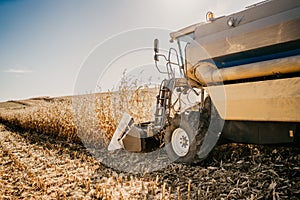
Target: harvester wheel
[{"x": 185, "y": 134}]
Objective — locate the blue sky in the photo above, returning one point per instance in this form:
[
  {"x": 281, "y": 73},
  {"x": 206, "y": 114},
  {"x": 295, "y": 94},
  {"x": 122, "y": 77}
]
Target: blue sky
[{"x": 44, "y": 44}]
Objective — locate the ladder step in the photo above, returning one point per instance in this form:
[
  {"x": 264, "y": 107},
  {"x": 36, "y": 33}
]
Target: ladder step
[{"x": 165, "y": 97}]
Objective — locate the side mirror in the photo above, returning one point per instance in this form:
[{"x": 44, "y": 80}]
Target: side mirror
[{"x": 156, "y": 45}]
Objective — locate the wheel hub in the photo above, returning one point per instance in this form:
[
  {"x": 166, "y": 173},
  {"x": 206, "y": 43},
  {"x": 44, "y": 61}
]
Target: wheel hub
[{"x": 180, "y": 142}]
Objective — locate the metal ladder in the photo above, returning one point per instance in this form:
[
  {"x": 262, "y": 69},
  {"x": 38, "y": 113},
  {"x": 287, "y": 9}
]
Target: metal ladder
[{"x": 163, "y": 103}]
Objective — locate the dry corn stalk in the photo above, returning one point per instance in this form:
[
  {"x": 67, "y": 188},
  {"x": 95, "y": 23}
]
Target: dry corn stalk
[{"x": 92, "y": 119}]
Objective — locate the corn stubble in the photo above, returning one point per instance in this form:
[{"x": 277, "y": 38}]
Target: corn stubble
[{"x": 41, "y": 167}]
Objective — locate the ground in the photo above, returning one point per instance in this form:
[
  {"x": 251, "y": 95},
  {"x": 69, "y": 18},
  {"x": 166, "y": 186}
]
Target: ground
[{"x": 43, "y": 166}]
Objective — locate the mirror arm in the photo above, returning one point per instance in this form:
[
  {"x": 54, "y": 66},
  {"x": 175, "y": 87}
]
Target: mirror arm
[
  {"x": 156, "y": 58},
  {"x": 160, "y": 55},
  {"x": 159, "y": 69}
]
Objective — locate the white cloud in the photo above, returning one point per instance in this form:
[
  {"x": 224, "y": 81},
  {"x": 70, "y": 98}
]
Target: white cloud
[{"x": 17, "y": 71}]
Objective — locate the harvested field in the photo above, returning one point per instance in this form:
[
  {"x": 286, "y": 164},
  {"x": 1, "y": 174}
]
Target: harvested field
[
  {"x": 42, "y": 157},
  {"x": 34, "y": 165}
]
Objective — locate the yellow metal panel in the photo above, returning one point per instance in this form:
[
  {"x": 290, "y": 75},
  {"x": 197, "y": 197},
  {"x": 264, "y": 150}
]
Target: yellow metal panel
[{"x": 272, "y": 100}]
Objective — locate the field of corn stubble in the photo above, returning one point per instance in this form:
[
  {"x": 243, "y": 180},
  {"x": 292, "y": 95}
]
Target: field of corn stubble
[{"x": 44, "y": 155}]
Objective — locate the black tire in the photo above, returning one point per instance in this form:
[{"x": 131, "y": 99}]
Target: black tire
[{"x": 195, "y": 125}]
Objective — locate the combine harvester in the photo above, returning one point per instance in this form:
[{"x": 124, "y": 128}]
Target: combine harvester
[{"x": 243, "y": 73}]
